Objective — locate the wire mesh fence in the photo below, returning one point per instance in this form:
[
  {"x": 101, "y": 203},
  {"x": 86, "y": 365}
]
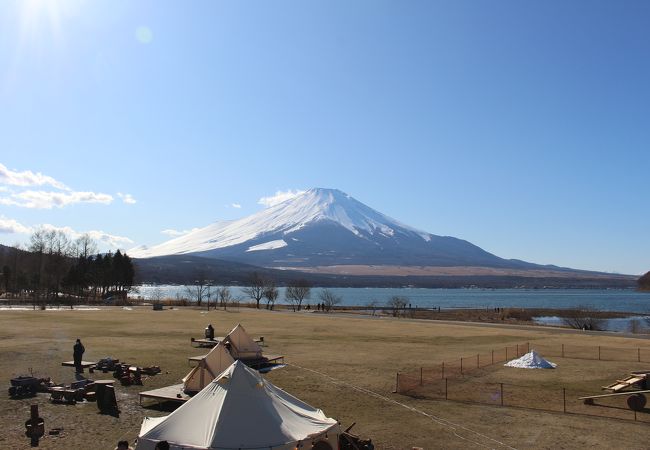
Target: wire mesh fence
[
  {"x": 558, "y": 400},
  {"x": 450, "y": 381}
]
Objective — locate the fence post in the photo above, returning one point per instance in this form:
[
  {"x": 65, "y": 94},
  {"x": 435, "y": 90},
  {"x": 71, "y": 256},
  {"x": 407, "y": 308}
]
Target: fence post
[
  {"x": 564, "y": 399},
  {"x": 599, "y": 353},
  {"x": 492, "y": 356},
  {"x": 420, "y": 376},
  {"x": 478, "y": 362},
  {"x": 397, "y": 383},
  {"x": 443, "y": 369},
  {"x": 527, "y": 347},
  {"x": 501, "y": 393},
  {"x": 461, "y": 366},
  {"x": 562, "y": 350},
  {"x": 517, "y": 354},
  {"x": 638, "y": 354},
  {"x": 446, "y": 390},
  {"x": 506, "y": 352}
]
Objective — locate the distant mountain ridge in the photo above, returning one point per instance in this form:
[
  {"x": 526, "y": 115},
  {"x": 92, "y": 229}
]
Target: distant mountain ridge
[{"x": 325, "y": 227}]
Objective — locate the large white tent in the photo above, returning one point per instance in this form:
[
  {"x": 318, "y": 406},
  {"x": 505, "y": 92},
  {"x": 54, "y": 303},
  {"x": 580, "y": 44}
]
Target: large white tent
[
  {"x": 241, "y": 410},
  {"x": 209, "y": 367},
  {"x": 242, "y": 346}
]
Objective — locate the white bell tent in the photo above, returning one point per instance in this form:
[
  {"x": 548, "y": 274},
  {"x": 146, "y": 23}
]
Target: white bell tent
[
  {"x": 209, "y": 367},
  {"x": 241, "y": 410},
  {"x": 242, "y": 346}
]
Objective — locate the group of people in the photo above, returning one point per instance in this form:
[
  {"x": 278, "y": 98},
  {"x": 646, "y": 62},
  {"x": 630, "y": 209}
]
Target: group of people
[{"x": 124, "y": 445}]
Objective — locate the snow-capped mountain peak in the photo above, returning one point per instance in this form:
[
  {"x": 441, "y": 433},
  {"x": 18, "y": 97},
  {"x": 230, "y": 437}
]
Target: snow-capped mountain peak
[
  {"x": 314, "y": 205},
  {"x": 321, "y": 227}
]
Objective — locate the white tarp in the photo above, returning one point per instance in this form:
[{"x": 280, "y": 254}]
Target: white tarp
[
  {"x": 209, "y": 367},
  {"x": 531, "y": 360},
  {"x": 240, "y": 410},
  {"x": 242, "y": 346}
]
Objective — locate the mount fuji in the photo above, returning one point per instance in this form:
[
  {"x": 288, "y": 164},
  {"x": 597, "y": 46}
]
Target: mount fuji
[{"x": 326, "y": 227}]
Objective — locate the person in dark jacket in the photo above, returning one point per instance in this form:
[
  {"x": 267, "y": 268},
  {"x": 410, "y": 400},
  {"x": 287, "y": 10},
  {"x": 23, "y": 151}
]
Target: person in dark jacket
[{"x": 77, "y": 354}]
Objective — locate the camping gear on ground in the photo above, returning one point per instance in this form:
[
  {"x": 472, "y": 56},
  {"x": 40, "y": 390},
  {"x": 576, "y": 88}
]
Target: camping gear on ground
[
  {"x": 531, "y": 360},
  {"x": 240, "y": 409},
  {"x": 209, "y": 332},
  {"x": 636, "y": 400},
  {"x": 635, "y": 379},
  {"x": 34, "y": 426},
  {"x": 106, "y": 364},
  {"x": 151, "y": 370},
  {"x": 25, "y": 386},
  {"x": 62, "y": 394},
  {"x": 127, "y": 374},
  {"x": 105, "y": 395},
  {"x": 349, "y": 441},
  {"x": 211, "y": 365},
  {"x": 76, "y": 392}
]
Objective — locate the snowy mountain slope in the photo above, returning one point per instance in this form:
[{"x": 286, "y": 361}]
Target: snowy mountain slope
[{"x": 324, "y": 227}]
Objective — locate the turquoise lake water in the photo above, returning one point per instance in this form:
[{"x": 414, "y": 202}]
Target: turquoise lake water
[{"x": 604, "y": 300}]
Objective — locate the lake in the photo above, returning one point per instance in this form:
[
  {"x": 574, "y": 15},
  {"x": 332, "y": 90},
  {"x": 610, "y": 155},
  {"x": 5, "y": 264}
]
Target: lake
[{"x": 599, "y": 299}]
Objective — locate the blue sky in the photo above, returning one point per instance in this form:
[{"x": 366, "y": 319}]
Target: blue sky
[{"x": 519, "y": 126}]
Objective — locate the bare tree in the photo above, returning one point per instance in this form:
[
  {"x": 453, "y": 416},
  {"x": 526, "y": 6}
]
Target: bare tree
[
  {"x": 59, "y": 262},
  {"x": 270, "y": 294},
  {"x": 397, "y": 304},
  {"x": 225, "y": 297},
  {"x": 372, "y": 306},
  {"x": 37, "y": 245},
  {"x": 156, "y": 295},
  {"x": 256, "y": 289},
  {"x": 329, "y": 299},
  {"x": 582, "y": 318},
  {"x": 84, "y": 246},
  {"x": 296, "y": 292},
  {"x": 198, "y": 290}
]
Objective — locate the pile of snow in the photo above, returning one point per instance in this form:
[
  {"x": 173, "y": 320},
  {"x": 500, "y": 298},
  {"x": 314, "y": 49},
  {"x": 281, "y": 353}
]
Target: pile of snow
[{"x": 531, "y": 360}]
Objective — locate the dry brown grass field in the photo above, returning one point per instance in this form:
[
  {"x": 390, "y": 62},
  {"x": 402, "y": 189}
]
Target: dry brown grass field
[{"x": 343, "y": 364}]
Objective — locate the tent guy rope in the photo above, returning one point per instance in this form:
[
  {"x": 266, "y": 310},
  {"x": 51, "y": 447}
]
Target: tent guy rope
[{"x": 453, "y": 427}]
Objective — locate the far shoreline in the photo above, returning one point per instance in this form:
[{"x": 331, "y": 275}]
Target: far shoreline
[{"x": 497, "y": 315}]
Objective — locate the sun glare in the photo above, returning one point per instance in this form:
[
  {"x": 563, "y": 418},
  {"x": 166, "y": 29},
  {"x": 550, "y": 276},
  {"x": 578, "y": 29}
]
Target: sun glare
[{"x": 40, "y": 17}]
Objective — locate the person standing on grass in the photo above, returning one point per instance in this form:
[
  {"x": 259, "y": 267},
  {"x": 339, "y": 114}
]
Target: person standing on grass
[{"x": 77, "y": 353}]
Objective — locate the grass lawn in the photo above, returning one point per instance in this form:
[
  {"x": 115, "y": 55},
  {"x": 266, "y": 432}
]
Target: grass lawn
[{"x": 342, "y": 364}]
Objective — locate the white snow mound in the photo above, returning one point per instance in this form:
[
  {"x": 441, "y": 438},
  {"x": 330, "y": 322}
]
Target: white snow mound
[{"x": 531, "y": 360}]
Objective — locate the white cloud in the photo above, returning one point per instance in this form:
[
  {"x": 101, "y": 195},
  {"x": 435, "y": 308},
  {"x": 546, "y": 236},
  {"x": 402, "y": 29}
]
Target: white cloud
[
  {"x": 28, "y": 178},
  {"x": 110, "y": 240},
  {"x": 10, "y": 226},
  {"x": 41, "y": 199},
  {"x": 236, "y": 205},
  {"x": 176, "y": 233},
  {"x": 50, "y": 199},
  {"x": 279, "y": 197},
  {"x": 127, "y": 198}
]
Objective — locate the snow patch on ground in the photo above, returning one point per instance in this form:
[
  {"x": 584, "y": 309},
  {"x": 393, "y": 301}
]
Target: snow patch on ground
[
  {"x": 531, "y": 360},
  {"x": 271, "y": 245}
]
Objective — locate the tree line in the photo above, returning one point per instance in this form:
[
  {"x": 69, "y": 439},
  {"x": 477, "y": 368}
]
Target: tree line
[
  {"x": 53, "y": 266},
  {"x": 258, "y": 288}
]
